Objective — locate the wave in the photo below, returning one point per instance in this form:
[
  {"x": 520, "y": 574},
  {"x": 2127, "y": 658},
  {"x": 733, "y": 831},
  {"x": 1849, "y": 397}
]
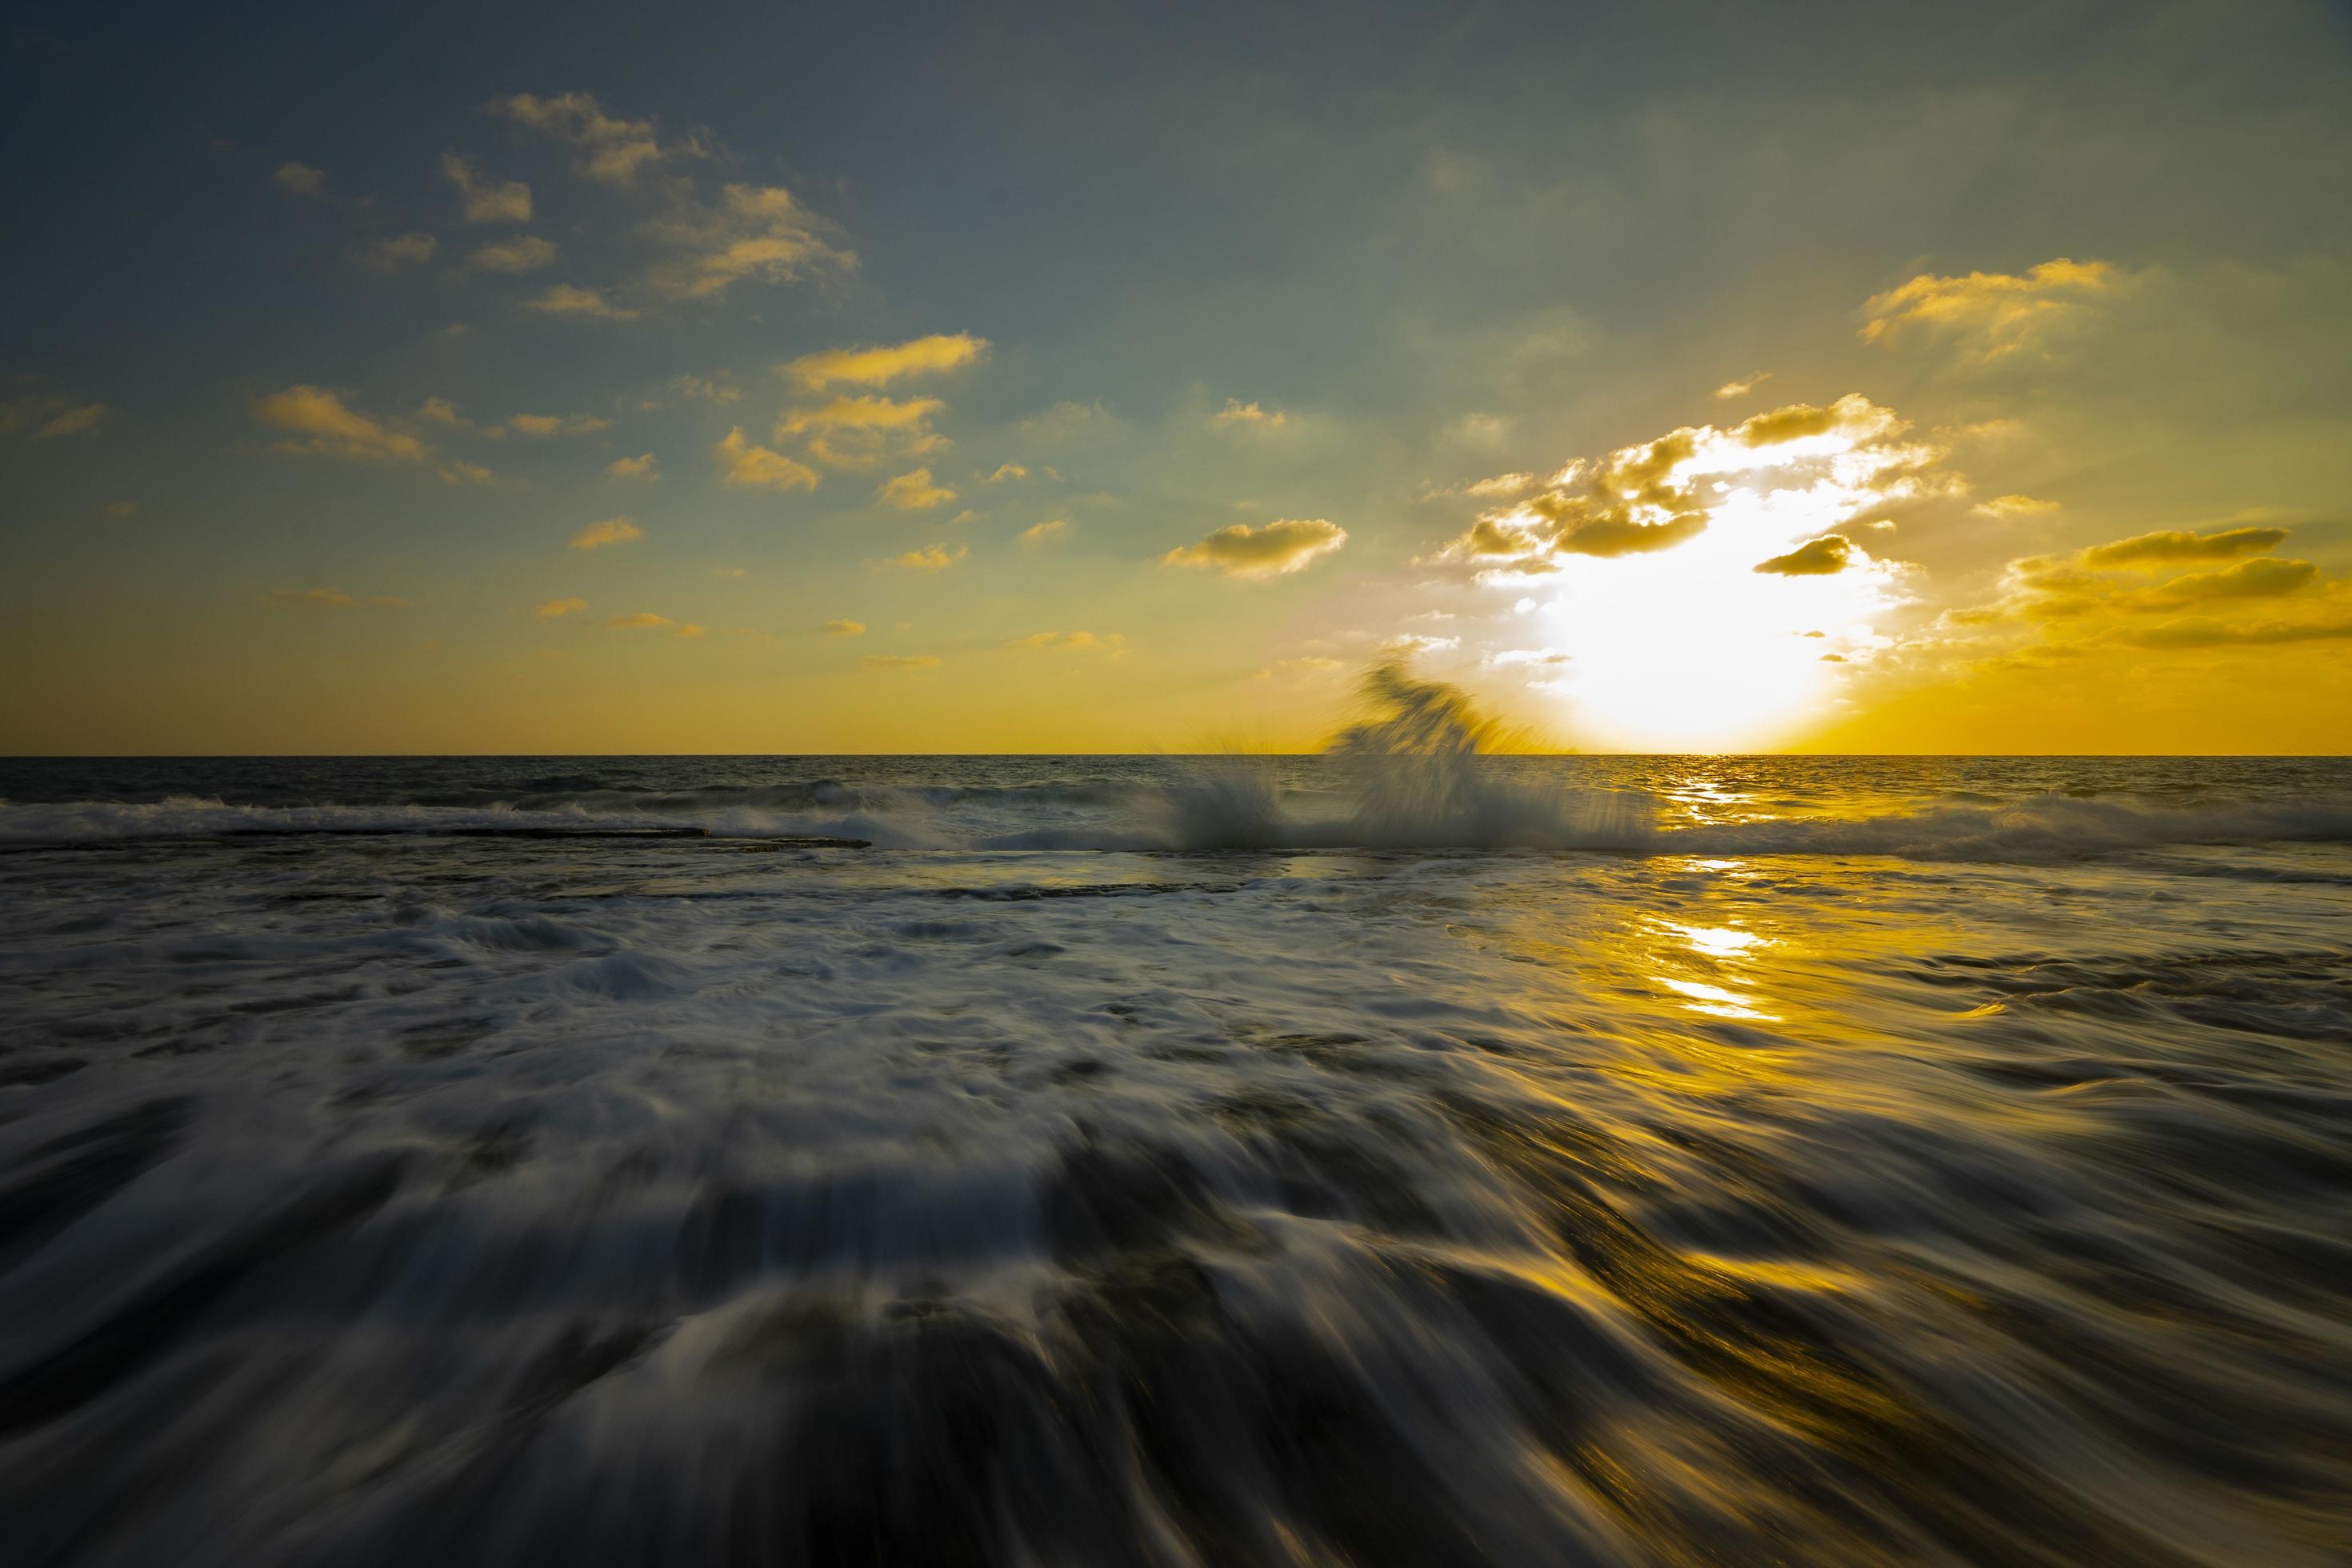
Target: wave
[{"x": 1420, "y": 770}]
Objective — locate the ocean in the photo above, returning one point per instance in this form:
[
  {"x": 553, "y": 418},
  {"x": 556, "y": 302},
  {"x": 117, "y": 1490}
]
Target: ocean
[{"x": 1403, "y": 1154}]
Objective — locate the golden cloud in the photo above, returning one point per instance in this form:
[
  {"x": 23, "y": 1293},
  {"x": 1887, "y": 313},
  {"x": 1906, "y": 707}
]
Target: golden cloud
[
  {"x": 612, "y": 530},
  {"x": 45, "y": 415},
  {"x": 525, "y": 253},
  {"x": 1845, "y": 456},
  {"x": 857, "y": 432},
  {"x": 1236, "y": 412},
  {"x": 611, "y": 149},
  {"x": 756, "y": 468},
  {"x": 486, "y": 201},
  {"x": 1822, "y": 557},
  {"x": 2265, "y": 577},
  {"x": 555, "y": 609},
  {"x": 569, "y": 299},
  {"x": 930, "y": 558},
  {"x": 398, "y": 251},
  {"x": 1987, "y": 313},
  {"x": 321, "y": 424},
  {"x": 2208, "y": 634},
  {"x": 1271, "y": 550},
  {"x": 844, "y": 628},
  {"x": 644, "y": 466},
  {"x": 1039, "y": 532},
  {"x": 558, "y": 425},
  {"x": 1111, "y": 644},
  {"x": 914, "y": 491},
  {"x": 902, "y": 660},
  {"x": 756, "y": 232},
  {"x": 300, "y": 179},
  {"x": 2178, "y": 545},
  {"x": 930, "y": 356},
  {"x": 2006, "y": 506}
]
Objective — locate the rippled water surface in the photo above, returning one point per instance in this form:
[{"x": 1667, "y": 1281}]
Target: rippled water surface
[{"x": 1083, "y": 1160}]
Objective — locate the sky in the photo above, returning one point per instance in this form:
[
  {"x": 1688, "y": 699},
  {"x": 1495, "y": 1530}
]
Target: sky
[{"x": 1672, "y": 376}]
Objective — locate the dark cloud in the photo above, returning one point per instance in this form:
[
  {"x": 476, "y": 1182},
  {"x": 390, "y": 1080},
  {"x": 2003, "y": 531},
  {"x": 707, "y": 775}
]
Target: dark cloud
[
  {"x": 1822, "y": 557},
  {"x": 2177, "y": 544}
]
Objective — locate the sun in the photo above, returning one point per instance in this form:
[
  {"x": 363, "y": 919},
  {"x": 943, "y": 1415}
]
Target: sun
[{"x": 1694, "y": 649}]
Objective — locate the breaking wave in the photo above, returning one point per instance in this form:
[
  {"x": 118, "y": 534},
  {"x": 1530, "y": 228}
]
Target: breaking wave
[{"x": 1421, "y": 770}]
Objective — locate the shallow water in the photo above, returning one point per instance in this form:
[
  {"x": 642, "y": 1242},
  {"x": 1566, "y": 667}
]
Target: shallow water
[{"x": 1376, "y": 1158}]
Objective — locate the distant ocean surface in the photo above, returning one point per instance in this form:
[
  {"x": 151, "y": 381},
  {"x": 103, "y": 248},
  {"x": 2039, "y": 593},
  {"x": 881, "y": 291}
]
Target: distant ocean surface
[{"x": 1399, "y": 1155}]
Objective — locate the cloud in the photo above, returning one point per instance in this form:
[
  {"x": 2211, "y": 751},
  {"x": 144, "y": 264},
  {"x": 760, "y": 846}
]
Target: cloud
[
  {"x": 857, "y": 432},
  {"x": 1408, "y": 644},
  {"x": 399, "y": 251},
  {"x": 2006, "y": 506},
  {"x": 2203, "y": 634},
  {"x": 1743, "y": 386},
  {"x": 1986, "y": 314},
  {"x": 755, "y": 232},
  {"x": 1833, "y": 460},
  {"x": 718, "y": 389},
  {"x": 1515, "y": 656},
  {"x": 486, "y": 201},
  {"x": 1500, "y": 485},
  {"x": 321, "y": 424},
  {"x": 1068, "y": 421},
  {"x": 1112, "y": 644},
  {"x": 558, "y": 425},
  {"x": 1007, "y": 472},
  {"x": 844, "y": 628},
  {"x": 1483, "y": 432},
  {"x": 689, "y": 630},
  {"x": 1236, "y": 412},
  {"x": 46, "y": 415},
  {"x": 1312, "y": 664},
  {"x": 914, "y": 491},
  {"x": 2266, "y": 577},
  {"x": 301, "y": 180},
  {"x": 645, "y": 466},
  {"x": 612, "y": 530},
  {"x": 756, "y": 468},
  {"x": 610, "y": 147},
  {"x": 2177, "y": 544},
  {"x": 555, "y": 609},
  {"x": 441, "y": 411},
  {"x": 524, "y": 253},
  {"x": 1822, "y": 557},
  {"x": 569, "y": 299},
  {"x": 1039, "y": 532},
  {"x": 903, "y": 660},
  {"x": 459, "y": 472},
  {"x": 880, "y": 366},
  {"x": 1271, "y": 550},
  {"x": 2047, "y": 588},
  {"x": 930, "y": 558},
  {"x": 643, "y": 620}
]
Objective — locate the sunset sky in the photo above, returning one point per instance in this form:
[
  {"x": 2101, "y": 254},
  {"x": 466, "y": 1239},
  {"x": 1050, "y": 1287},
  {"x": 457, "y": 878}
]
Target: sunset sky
[{"x": 1675, "y": 376}]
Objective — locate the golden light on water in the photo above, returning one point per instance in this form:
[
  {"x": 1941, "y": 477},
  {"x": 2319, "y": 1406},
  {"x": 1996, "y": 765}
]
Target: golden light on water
[{"x": 1724, "y": 953}]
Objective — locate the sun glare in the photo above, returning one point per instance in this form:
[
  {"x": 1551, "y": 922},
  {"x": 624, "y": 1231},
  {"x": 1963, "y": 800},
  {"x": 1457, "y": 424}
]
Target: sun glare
[{"x": 1695, "y": 649}]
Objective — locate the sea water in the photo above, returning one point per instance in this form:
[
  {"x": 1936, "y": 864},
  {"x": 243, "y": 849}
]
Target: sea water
[{"x": 1403, "y": 1154}]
